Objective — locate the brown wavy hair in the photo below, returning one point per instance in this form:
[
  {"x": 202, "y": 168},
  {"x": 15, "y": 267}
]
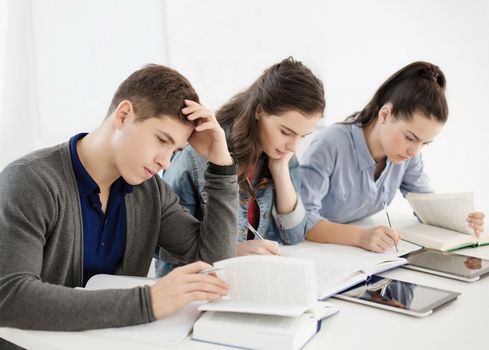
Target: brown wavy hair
[
  {"x": 155, "y": 90},
  {"x": 288, "y": 85},
  {"x": 419, "y": 86}
]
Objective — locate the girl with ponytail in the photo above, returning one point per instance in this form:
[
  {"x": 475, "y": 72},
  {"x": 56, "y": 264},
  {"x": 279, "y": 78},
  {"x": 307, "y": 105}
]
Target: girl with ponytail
[{"x": 352, "y": 168}]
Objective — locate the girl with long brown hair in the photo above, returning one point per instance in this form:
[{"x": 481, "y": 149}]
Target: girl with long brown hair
[{"x": 264, "y": 125}]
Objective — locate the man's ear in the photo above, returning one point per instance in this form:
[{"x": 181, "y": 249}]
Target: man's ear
[{"x": 123, "y": 112}]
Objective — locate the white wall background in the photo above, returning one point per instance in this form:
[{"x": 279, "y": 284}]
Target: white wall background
[{"x": 61, "y": 61}]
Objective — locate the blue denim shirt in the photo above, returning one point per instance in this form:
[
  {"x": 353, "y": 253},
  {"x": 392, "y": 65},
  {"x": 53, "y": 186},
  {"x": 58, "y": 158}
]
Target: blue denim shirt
[
  {"x": 186, "y": 177},
  {"x": 338, "y": 183}
]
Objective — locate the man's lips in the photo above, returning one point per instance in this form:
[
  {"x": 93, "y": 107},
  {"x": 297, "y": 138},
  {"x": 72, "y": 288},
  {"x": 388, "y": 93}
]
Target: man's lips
[{"x": 150, "y": 172}]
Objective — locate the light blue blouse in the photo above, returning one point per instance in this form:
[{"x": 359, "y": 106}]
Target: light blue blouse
[{"x": 337, "y": 173}]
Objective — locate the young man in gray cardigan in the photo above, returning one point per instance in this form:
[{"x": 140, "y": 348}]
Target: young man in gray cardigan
[{"x": 95, "y": 204}]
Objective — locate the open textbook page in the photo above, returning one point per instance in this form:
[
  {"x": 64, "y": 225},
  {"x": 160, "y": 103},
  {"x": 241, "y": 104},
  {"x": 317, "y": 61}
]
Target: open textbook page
[
  {"x": 444, "y": 224},
  {"x": 167, "y": 331},
  {"x": 339, "y": 267},
  {"x": 273, "y": 285},
  {"x": 436, "y": 237},
  {"x": 447, "y": 210}
]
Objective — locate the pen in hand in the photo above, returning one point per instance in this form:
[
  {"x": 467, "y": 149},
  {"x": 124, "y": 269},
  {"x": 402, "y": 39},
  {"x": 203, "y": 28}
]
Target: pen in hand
[
  {"x": 260, "y": 237},
  {"x": 255, "y": 232},
  {"x": 389, "y": 220},
  {"x": 210, "y": 269}
]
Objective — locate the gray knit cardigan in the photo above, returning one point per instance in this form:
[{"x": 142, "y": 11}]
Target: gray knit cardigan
[{"x": 41, "y": 243}]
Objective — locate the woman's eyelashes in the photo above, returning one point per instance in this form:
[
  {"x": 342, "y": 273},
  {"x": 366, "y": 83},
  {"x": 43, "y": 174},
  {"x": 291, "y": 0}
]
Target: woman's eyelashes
[
  {"x": 161, "y": 140},
  {"x": 409, "y": 138}
]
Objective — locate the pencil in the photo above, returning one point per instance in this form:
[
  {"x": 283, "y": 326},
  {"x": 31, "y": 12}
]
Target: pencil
[
  {"x": 255, "y": 232},
  {"x": 389, "y": 220},
  {"x": 211, "y": 269}
]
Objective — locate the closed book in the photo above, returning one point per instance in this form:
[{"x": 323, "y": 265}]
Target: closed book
[{"x": 255, "y": 331}]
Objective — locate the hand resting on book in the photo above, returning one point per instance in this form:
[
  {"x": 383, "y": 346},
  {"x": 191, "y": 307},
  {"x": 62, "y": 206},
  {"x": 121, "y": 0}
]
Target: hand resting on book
[
  {"x": 183, "y": 286},
  {"x": 476, "y": 221}
]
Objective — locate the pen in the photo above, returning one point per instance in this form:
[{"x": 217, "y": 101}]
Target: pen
[
  {"x": 211, "y": 269},
  {"x": 255, "y": 232},
  {"x": 389, "y": 220}
]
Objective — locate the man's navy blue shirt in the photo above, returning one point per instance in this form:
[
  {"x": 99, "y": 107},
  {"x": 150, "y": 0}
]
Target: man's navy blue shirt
[{"x": 104, "y": 234}]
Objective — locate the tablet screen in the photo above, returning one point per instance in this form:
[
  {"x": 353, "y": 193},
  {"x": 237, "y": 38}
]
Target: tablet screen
[
  {"x": 465, "y": 266},
  {"x": 400, "y": 296}
]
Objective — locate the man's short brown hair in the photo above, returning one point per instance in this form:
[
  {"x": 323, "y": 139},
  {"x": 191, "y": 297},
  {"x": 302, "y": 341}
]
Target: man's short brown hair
[{"x": 153, "y": 91}]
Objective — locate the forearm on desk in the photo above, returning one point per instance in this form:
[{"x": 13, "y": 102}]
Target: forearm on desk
[
  {"x": 331, "y": 232},
  {"x": 43, "y": 306}
]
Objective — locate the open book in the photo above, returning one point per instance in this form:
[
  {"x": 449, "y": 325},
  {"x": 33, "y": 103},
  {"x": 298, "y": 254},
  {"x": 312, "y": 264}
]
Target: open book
[
  {"x": 167, "y": 331},
  {"x": 266, "y": 284},
  {"x": 444, "y": 226},
  {"x": 272, "y": 304},
  {"x": 339, "y": 267}
]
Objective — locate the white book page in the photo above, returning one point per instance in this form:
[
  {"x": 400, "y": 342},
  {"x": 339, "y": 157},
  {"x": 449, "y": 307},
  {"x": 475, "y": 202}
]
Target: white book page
[
  {"x": 118, "y": 282},
  {"x": 338, "y": 266},
  {"x": 275, "y": 282},
  {"x": 434, "y": 237},
  {"x": 484, "y": 238},
  {"x": 168, "y": 331},
  {"x": 447, "y": 210},
  {"x": 253, "y": 322},
  {"x": 224, "y": 305}
]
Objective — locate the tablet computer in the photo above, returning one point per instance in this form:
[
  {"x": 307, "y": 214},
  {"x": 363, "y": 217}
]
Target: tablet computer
[
  {"x": 461, "y": 267},
  {"x": 399, "y": 296}
]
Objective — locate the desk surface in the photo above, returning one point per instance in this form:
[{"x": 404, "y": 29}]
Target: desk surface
[{"x": 460, "y": 324}]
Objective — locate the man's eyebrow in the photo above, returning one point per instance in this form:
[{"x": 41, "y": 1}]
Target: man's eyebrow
[
  {"x": 171, "y": 140},
  {"x": 167, "y": 135}
]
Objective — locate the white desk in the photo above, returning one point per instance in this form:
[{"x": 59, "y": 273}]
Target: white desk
[{"x": 461, "y": 324}]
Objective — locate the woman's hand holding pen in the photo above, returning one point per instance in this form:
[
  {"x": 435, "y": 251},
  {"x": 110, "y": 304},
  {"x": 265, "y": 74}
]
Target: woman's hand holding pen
[
  {"x": 258, "y": 247},
  {"x": 476, "y": 222},
  {"x": 378, "y": 239},
  {"x": 184, "y": 285}
]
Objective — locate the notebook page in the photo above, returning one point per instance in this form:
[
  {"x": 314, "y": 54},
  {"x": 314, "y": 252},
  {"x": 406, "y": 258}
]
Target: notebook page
[
  {"x": 336, "y": 264},
  {"x": 168, "y": 331}
]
